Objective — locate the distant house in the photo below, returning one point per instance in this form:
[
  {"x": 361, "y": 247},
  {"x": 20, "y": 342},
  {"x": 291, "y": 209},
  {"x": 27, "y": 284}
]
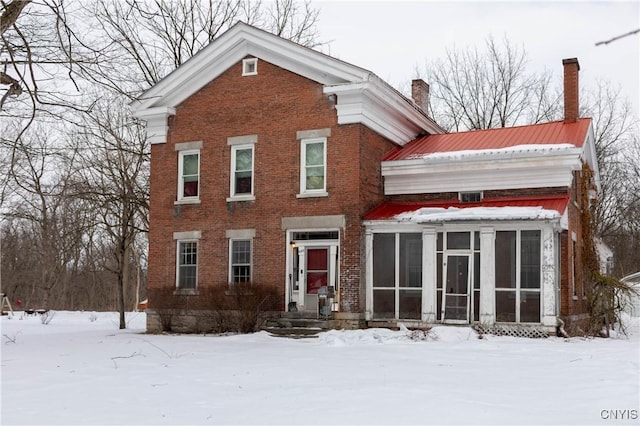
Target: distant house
[{"x": 274, "y": 164}]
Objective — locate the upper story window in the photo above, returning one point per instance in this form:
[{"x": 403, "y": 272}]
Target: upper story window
[
  {"x": 313, "y": 165},
  {"x": 242, "y": 160},
  {"x": 250, "y": 66},
  {"x": 188, "y": 172}
]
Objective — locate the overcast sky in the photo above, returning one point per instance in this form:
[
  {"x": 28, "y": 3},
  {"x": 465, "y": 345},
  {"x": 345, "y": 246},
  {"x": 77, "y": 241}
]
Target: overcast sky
[{"x": 393, "y": 38}]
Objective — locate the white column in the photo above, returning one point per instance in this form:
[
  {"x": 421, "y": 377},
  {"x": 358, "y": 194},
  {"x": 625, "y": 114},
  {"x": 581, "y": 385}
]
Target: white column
[
  {"x": 487, "y": 275},
  {"x": 333, "y": 275},
  {"x": 368, "y": 248},
  {"x": 549, "y": 274},
  {"x": 429, "y": 275},
  {"x": 302, "y": 276}
]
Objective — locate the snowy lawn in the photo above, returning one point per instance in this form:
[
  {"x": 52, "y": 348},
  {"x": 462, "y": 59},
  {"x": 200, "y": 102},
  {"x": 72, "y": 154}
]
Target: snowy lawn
[{"x": 75, "y": 371}]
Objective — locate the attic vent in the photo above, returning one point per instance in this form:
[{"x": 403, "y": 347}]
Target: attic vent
[
  {"x": 250, "y": 66},
  {"x": 470, "y": 197}
]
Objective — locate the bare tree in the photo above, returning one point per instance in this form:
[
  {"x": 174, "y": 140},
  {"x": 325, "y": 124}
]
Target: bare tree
[
  {"x": 115, "y": 173},
  {"x": 45, "y": 214},
  {"x": 141, "y": 41},
  {"x": 481, "y": 89}
]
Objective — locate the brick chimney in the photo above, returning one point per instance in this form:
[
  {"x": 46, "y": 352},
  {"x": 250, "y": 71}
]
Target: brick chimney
[
  {"x": 420, "y": 94},
  {"x": 571, "y": 89}
]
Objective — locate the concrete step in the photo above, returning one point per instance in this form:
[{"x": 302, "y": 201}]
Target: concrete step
[
  {"x": 298, "y": 325},
  {"x": 293, "y": 332}
]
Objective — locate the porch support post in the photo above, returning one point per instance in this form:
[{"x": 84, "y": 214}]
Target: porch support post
[
  {"x": 368, "y": 248},
  {"x": 302, "y": 277},
  {"x": 429, "y": 275},
  {"x": 549, "y": 274},
  {"x": 487, "y": 275}
]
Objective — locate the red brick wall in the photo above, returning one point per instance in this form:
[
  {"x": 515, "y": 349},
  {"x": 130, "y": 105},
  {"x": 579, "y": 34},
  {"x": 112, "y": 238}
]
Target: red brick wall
[
  {"x": 570, "y": 304},
  {"x": 273, "y": 104}
]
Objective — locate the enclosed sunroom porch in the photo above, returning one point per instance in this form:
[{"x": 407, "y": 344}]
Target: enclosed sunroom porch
[{"x": 462, "y": 266}]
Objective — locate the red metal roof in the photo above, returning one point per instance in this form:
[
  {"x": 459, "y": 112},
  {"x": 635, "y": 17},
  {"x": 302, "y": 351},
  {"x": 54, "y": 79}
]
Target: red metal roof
[
  {"x": 556, "y": 132},
  {"x": 390, "y": 209}
]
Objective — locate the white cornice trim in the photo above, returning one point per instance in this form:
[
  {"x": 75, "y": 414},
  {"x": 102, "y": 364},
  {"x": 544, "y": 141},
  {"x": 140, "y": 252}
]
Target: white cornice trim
[
  {"x": 157, "y": 126},
  {"x": 481, "y": 172},
  {"x": 383, "y": 110},
  {"x": 362, "y": 97}
]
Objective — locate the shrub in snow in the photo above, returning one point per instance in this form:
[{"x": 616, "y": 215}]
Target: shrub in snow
[
  {"x": 93, "y": 317},
  {"x": 239, "y": 308}
]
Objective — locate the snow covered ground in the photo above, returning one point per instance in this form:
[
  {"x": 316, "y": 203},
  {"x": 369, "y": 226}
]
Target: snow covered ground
[{"x": 75, "y": 371}]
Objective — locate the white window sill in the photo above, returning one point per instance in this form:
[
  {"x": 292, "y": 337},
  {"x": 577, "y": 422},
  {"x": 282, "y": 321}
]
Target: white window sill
[
  {"x": 187, "y": 201},
  {"x": 312, "y": 194},
  {"x": 241, "y": 198},
  {"x": 574, "y": 297},
  {"x": 186, "y": 292}
]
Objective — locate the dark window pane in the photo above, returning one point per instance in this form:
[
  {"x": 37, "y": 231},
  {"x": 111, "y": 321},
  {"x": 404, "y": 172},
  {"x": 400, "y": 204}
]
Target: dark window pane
[
  {"x": 529, "y": 306},
  {"x": 187, "y": 265},
  {"x": 530, "y": 259},
  {"x": 384, "y": 304},
  {"x": 241, "y": 251},
  {"x": 506, "y": 259},
  {"x": 410, "y": 304},
  {"x": 476, "y": 240},
  {"x": 505, "y": 306},
  {"x": 439, "y": 270},
  {"x": 439, "y": 242},
  {"x": 455, "y": 307},
  {"x": 243, "y": 183},
  {"x": 240, "y": 261},
  {"x": 320, "y": 235},
  {"x": 476, "y": 271},
  {"x": 458, "y": 240},
  {"x": 476, "y": 305},
  {"x": 439, "y": 304},
  {"x": 384, "y": 260},
  {"x": 410, "y": 260},
  {"x": 457, "y": 274},
  {"x": 241, "y": 273}
]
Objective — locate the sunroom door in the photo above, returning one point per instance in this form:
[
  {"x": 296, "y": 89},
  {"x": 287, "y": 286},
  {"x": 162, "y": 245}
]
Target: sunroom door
[{"x": 455, "y": 303}]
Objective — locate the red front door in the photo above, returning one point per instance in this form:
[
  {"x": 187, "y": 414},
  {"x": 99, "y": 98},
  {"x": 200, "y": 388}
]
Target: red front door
[{"x": 317, "y": 269}]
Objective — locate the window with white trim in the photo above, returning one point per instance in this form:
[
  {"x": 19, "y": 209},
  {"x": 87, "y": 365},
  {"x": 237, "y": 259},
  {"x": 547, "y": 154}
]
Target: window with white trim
[
  {"x": 187, "y": 265},
  {"x": 313, "y": 161},
  {"x": 241, "y": 170},
  {"x": 518, "y": 276},
  {"x": 240, "y": 260},
  {"x": 250, "y": 66},
  {"x": 189, "y": 174}
]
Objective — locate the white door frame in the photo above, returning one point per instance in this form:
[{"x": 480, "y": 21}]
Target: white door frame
[
  {"x": 298, "y": 296},
  {"x": 445, "y": 271}
]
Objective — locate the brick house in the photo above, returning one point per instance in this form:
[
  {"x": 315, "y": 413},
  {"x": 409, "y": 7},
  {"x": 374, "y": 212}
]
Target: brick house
[{"x": 274, "y": 164}]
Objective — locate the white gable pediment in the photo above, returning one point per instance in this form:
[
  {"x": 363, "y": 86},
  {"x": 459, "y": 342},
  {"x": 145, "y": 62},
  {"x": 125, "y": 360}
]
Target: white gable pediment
[
  {"x": 231, "y": 47},
  {"x": 362, "y": 97}
]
